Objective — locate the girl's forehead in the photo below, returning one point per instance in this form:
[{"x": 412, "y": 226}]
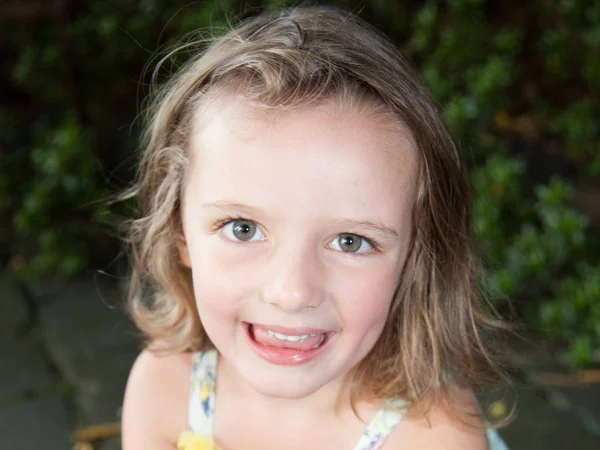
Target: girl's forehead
[
  {"x": 226, "y": 117},
  {"x": 306, "y": 164}
]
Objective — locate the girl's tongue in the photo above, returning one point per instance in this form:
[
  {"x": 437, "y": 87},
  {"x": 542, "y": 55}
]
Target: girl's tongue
[{"x": 303, "y": 342}]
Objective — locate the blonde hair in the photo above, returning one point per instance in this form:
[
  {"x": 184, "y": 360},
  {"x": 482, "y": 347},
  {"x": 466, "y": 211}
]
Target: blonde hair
[{"x": 303, "y": 57}]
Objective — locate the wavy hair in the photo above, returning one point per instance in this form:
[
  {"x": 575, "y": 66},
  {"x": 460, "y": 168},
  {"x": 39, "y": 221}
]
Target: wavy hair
[{"x": 437, "y": 326}]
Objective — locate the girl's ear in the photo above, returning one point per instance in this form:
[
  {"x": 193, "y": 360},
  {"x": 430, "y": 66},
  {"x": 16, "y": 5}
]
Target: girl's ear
[{"x": 184, "y": 253}]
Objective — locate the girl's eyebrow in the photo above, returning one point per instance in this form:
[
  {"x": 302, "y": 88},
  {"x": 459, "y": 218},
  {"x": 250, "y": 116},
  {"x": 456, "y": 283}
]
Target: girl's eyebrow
[
  {"x": 225, "y": 206},
  {"x": 376, "y": 227}
]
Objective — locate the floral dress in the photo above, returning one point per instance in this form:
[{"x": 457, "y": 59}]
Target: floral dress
[{"x": 202, "y": 410}]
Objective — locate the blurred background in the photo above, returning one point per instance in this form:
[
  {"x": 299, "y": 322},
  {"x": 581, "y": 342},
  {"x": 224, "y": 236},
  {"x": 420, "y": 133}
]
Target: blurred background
[{"x": 518, "y": 83}]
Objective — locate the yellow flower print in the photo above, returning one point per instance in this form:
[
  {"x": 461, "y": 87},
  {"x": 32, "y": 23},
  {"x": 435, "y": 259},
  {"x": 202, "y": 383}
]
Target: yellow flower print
[
  {"x": 204, "y": 391},
  {"x": 190, "y": 441}
]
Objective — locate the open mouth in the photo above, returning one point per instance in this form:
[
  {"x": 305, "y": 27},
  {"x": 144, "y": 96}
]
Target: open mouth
[{"x": 287, "y": 346}]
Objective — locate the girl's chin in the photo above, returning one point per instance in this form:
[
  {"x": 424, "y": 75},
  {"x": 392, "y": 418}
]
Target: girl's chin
[
  {"x": 289, "y": 382},
  {"x": 282, "y": 389}
]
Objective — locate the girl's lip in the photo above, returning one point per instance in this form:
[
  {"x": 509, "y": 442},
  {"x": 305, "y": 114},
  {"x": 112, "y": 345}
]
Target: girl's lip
[
  {"x": 289, "y": 331},
  {"x": 286, "y": 356}
]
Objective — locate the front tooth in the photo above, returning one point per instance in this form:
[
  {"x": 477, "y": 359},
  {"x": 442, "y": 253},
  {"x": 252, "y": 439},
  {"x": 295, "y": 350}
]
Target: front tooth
[{"x": 285, "y": 337}]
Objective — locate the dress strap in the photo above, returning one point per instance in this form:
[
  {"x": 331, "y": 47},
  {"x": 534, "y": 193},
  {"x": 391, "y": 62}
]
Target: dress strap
[
  {"x": 382, "y": 425},
  {"x": 202, "y": 393},
  {"x": 495, "y": 441}
]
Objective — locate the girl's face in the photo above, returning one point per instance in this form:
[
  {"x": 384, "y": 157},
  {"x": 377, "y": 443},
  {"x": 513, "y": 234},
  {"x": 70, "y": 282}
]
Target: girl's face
[{"x": 296, "y": 230}]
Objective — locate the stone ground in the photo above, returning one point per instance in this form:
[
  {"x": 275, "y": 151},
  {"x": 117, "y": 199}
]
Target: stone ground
[{"x": 65, "y": 352}]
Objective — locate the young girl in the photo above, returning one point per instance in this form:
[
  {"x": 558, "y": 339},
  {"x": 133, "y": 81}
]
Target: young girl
[{"x": 305, "y": 238}]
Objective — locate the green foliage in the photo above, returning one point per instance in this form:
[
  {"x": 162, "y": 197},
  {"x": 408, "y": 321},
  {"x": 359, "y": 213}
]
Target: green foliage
[
  {"x": 550, "y": 237},
  {"x": 518, "y": 84},
  {"x": 78, "y": 82},
  {"x": 63, "y": 180},
  {"x": 539, "y": 250},
  {"x": 573, "y": 314}
]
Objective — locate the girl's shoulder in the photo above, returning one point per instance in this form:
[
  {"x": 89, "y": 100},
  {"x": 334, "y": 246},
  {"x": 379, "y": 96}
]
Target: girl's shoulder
[
  {"x": 438, "y": 429},
  {"x": 154, "y": 408}
]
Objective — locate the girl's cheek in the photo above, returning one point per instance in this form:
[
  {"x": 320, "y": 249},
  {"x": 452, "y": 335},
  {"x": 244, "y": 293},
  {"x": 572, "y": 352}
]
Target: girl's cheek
[
  {"x": 222, "y": 276},
  {"x": 366, "y": 297},
  {"x": 214, "y": 254}
]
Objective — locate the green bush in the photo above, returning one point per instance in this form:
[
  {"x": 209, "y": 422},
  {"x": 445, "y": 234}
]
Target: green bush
[{"x": 518, "y": 85}]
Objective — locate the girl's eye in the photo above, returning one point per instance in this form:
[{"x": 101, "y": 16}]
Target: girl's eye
[
  {"x": 242, "y": 230},
  {"x": 351, "y": 243}
]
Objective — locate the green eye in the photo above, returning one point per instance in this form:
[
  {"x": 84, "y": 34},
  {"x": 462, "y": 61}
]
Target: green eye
[
  {"x": 350, "y": 243},
  {"x": 243, "y": 230}
]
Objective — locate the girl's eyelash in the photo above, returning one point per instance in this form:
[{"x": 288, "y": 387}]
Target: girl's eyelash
[
  {"x": 225, "y": 220},
  {"x": 371, "y": 242}
]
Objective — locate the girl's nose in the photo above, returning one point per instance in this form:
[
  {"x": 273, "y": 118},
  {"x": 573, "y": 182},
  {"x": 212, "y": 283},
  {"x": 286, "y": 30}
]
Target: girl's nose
[{"x": 295, "y": 281}]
